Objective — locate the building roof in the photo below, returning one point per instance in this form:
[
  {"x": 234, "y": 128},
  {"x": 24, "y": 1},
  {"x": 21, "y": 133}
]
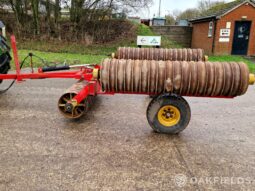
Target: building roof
[
  {"x": 159, "y": 18},
  {"x": 221, "y": 10}
]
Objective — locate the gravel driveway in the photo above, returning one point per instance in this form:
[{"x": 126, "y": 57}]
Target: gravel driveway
[{"x": 113, "y": 147}]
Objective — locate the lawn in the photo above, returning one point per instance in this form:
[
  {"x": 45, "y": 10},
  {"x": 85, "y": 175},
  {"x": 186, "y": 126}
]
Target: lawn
[
  {"x": 73, "y": 53},
  {"x": 95, "y": 49},
  {"x": 230, "y": 58},
  {"x": 68, "y": 58},
  {"x": 71, "y": 58},
  {"x": 144, "y": 30}
]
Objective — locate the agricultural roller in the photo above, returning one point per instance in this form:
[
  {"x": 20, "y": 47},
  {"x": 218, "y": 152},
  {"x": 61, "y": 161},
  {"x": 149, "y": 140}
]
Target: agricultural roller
[
  {"x": 184, "y": 54},
  {"x": 168, "y": 81}
]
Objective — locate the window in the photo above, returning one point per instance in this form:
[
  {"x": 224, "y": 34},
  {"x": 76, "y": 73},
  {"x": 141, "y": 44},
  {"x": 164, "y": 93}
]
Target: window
[{"x": 210, "y": 31}]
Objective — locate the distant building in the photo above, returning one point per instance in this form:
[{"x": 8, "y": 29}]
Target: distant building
[
  {"x": 182, "y": 22},
  {"x": 65, "y": 13},
  {"x": 135, "y": 19},
  {"x": 121, "y": 15},
  {"x": 226, "y": 29},
  {"x": 146, "y": 22},
  {"x": 158, "y": 21},
  {"x": 42, "y": 7}
]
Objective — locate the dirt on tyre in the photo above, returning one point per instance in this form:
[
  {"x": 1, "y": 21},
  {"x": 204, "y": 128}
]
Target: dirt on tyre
[{"x": 168, "y": 114}]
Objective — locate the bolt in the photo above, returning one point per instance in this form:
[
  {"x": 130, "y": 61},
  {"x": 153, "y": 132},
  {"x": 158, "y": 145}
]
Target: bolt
[{"x": 69, "y": 107}]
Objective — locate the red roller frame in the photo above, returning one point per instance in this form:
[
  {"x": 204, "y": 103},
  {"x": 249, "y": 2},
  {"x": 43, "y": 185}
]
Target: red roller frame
[{"x": 84, "y": 73}]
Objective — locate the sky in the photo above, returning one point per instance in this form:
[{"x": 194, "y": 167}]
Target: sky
[{"x": 168, "y": 6}]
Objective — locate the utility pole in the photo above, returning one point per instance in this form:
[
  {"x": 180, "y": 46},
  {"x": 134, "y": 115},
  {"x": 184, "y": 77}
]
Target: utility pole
[{"x": 159, "y": 10}]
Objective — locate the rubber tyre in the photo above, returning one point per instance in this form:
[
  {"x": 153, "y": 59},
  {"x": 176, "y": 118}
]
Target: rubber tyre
[
  {"x": 165, "y": 100},
  {"x": 4, "y": 68}
]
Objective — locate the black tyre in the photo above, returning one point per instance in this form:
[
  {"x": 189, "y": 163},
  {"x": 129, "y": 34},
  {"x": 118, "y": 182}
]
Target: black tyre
[
  {"x": 4, "y": 64},
  {"x": 169, "y": 114}
]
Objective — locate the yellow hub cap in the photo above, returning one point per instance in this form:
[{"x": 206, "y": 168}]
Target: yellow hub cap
[{"x": 169, "y": 115}]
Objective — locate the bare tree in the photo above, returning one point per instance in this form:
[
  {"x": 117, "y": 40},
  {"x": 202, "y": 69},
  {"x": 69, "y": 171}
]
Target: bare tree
[
  {"x": 204, "y": 5},
  {"x": 17, "y": 7},
  {"x": 188, "y": 14},
  {"x": 57, "y": 10},
  {"x": 81, "y": 8},
  {"x": 92, "y": 13},
  {"x": 170, "y": 20},
  {"x": 35, "y": 11},
  {"x": 176, "y": 13},
  {"x": 48, "y": 10}
]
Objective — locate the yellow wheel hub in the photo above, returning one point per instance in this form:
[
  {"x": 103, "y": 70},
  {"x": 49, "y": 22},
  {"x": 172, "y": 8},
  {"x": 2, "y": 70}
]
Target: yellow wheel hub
[{"x": 169, "y": 115}]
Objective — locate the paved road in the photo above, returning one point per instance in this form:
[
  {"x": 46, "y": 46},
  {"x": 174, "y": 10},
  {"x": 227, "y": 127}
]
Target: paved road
[{"x": 113, "y": 147}]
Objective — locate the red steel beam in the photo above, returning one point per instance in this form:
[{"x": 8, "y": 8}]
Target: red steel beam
[
  {"x": 74, "y": 75},
  {"x": 15, "y": 56}
]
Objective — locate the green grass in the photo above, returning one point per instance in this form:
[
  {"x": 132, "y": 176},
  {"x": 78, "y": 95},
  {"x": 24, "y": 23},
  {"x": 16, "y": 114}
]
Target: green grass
[
  {"x": 95, "y": 49},
  {"x": 231, "y": 58},
  {"x": 144, "y": 30},
  {"x": 69, "y": 58},
  {"x": 65, "y": 47},
  {"x": 72, "y": 58},
  {"x": 74, "y": 53}
]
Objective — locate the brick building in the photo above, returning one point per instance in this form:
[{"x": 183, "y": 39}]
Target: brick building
[{"x": 226, "y": 29}]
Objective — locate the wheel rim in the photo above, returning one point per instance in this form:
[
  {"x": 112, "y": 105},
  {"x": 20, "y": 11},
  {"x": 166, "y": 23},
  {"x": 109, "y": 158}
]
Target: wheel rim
[
  {"x": 66, "y": 108},
  {"x": 169, "y": 116}
]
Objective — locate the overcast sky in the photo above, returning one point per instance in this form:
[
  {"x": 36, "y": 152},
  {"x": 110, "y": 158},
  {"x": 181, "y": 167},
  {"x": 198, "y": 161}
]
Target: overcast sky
[{"x": 168, "y": 6}]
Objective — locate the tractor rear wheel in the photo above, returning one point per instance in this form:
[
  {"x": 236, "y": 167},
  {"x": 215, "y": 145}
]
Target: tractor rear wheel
[
  {"x": 4, "y": 64},
  {"x": 169, "y": 114}
]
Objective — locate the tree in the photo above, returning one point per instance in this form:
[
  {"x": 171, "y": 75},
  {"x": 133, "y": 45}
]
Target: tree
[
  {"x": 17, "y": 8},
  {"x": 205, "y": 5},
  {"x": 170, "y": 20},
  {"x": 75, "y": 10},
  {"x": 35, "y": 11},
  {"x": 188, "y": 14},
  {"x": 90, "y": 12},
  {"x": 176, "y": 13},
  {"x": 48, "y": 11},
  {"x": 86, "y": 8},
  {"x": 57, "y": 10}
]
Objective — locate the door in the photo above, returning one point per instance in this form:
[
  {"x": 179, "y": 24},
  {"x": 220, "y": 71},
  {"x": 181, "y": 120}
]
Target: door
[{"x": 241, "y": 37}]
